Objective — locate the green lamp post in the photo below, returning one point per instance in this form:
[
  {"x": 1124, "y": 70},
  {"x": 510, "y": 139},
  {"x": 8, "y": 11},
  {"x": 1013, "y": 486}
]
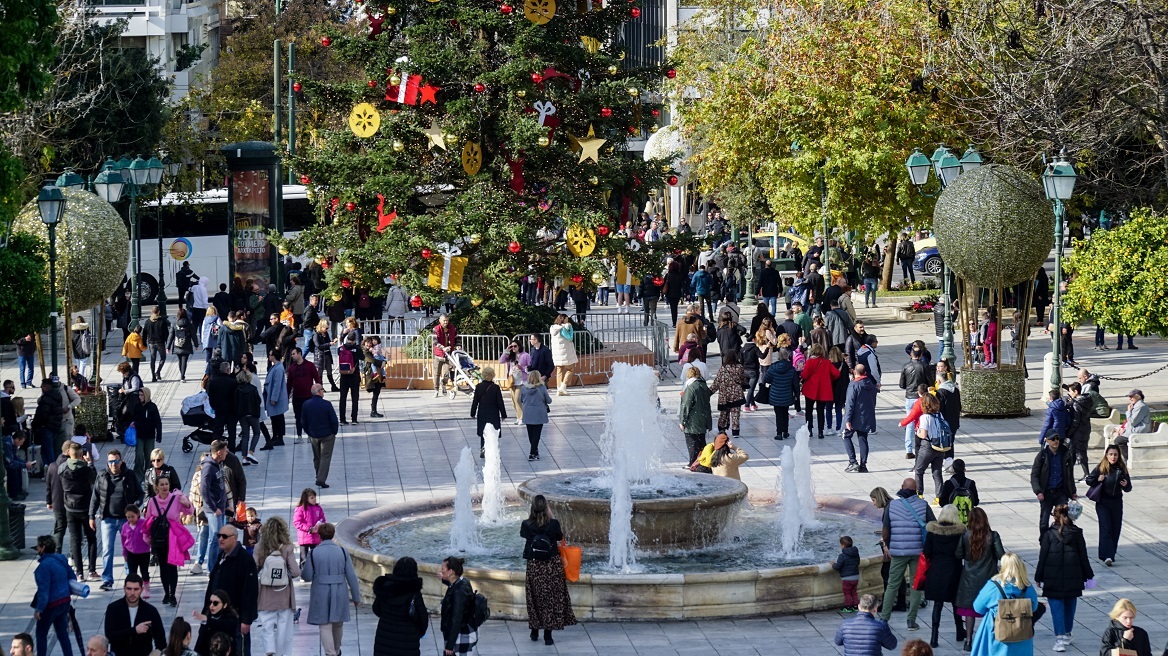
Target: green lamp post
[{"x": 1058, "y": 182}]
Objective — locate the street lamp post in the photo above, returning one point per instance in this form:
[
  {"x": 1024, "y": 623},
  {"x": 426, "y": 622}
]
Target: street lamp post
[
  {"x": 110, "y": 184},
  {"x": 154, "y": 170},
  {"x": 51, "y": 202},
  {"x": 945, "y": 165},
  {"x": 1058, "y": 182}
]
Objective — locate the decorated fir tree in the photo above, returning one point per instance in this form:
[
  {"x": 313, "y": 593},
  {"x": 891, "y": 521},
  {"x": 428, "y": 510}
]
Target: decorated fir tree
[{"x": 486, "y": 141}]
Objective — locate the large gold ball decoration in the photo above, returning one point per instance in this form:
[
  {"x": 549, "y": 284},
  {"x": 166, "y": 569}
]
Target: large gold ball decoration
[
  {"x": 349, "y": 267},
  {"x": 539, "y": 12},
  {"x": 364, "y": 120},
  {"x": 598, "y": 278},
  {"x": 476, "y": 301},
  {"x": 475, "y": 238},
  {"x": 543, "y": 141},
  {"x": 521, "y": 94},
  {"x": 450, "y": 138},
  {"x": 594, "y": 181},
  {"x": 581, "y": 242},
  {"x": 633, "y": 91},
  {"x": 283, "y": 250},
  {"x": 395, "y": 79},
  {"x": 93, "y": 247},
  {"x": 336, "y": 298},
  {"x": 391, "y": 10},
  {"x": 612, "y": 69}
]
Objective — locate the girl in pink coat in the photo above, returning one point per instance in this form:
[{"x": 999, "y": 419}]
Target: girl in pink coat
[
  {"x": 174, "y": 552},
  {"x": 307, "y": 519}
]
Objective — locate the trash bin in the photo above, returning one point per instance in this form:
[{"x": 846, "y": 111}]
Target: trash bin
[{"x": 16, "y": 524}]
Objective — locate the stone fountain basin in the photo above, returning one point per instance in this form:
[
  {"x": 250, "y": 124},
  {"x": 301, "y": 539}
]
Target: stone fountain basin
[
  {"x": 662, "y": 519},
  {"x": 625, "y": 597}
]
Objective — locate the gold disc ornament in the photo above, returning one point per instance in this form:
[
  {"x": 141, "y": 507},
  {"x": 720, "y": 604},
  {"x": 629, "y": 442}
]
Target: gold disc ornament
[
  {"x": 364, "y": 120},
  {"x": 539, "y": 12},
  {"x": 472, "y": 158},
  {"x": 581, "y": 242}
]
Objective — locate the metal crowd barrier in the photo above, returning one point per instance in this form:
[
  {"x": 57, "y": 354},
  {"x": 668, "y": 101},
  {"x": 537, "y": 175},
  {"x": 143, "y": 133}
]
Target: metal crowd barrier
[{"x": 403, "y": 326}]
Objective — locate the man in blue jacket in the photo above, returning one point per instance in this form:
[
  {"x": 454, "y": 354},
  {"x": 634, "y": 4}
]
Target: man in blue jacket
[
  {"x": 52, "y": 600},
  {"x": 860, "y": 415},
  {"x": 213, "y": 490},
  {"x": 864, "y": 634},
  {"x": 321, "y": 424},
  {"x": 703, "y": 283},
  {"x": 541, "y": 357}
]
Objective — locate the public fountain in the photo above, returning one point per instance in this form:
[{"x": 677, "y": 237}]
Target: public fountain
[
  {"x": 657, "y": 544},
  {"x": 492, "y": 503}
]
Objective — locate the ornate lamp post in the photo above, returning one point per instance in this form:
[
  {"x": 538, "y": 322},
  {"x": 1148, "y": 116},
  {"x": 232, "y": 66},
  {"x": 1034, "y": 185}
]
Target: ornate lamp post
[
  {"x": 136, "y": 175},
  {"x": 1058, "y": 182},
  {"x": 51, "y": 202},
  {"x": 945, "y": 165}
]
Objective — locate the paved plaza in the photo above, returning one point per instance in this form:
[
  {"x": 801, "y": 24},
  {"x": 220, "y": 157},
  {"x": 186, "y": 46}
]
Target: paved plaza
[{"x": 410, "y": 455}]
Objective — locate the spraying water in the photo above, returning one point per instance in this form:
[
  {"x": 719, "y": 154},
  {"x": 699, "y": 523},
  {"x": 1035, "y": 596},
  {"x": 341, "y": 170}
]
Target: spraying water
[
  {"x": 790, "y": 515},
  {"x": 464, "y": 537},
  {"x": 803, "y": 482},
  {"x": 492, "y": 514},
  {"x": 631, "y": 449}
]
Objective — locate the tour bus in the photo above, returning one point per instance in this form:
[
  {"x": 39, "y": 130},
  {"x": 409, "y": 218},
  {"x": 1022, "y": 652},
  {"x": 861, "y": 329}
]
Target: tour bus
[{"x": 194, "y": 229}]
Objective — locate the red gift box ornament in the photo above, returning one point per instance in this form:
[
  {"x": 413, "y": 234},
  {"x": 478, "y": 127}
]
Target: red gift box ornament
[{"x": 406, "y": 92}]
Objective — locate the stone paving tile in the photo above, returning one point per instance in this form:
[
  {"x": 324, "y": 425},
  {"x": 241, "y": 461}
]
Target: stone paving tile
[{"x": 410, "y": 456}]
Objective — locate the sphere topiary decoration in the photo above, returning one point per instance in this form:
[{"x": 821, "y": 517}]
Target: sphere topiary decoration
[
  {"x": 994, "y": 226},
  {"x": 997, "y": 392},
  {"x": 93, "y": 247}
]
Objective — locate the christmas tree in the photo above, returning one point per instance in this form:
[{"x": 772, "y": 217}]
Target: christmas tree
[{"x": 487, "y": 141}]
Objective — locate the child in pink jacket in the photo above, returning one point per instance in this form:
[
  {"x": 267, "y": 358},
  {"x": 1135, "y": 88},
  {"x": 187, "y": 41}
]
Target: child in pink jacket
[
  {"x": 307, "y": 519},
  {"x": 136, "y": 547}
]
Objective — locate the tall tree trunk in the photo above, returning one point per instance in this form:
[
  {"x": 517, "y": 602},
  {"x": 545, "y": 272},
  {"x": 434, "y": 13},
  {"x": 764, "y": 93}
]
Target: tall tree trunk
[{"x": 889, "y": 262}]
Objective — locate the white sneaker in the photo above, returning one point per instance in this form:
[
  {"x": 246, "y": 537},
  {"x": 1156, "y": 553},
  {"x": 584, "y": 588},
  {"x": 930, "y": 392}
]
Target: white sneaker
[
  {"x": 1059, "y": 645},
  {"x": 197, "y": 569},
  {"x": 437, "y": 393},
  {"x": 1068, "y": 638},
  {"x": 517, "y": 422}
]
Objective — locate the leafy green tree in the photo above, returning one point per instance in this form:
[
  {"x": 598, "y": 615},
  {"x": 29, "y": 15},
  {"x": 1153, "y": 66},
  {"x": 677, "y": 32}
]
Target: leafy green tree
[
  {"x": 840, "y": 78},
  {"x": 463, "y": 159},
  {"x": 24, "y": 300},
  {"x": 1117, "y": 277}
]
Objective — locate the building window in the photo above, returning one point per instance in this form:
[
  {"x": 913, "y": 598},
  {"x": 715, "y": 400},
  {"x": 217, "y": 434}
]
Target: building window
[{"x": 642, "y": 34}]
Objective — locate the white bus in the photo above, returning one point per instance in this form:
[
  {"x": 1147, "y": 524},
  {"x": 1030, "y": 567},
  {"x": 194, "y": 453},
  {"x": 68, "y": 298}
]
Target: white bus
[{"x": 194, "y": 229}]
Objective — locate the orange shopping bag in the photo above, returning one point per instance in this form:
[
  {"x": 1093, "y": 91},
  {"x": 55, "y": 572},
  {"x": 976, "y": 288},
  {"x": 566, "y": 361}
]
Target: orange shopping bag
[
  {"x": 241, "y": 512},
  {"x": 571, "y": 557}
]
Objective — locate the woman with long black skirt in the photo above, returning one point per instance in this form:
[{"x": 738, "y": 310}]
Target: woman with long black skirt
[{"x": 548, "y": 605}]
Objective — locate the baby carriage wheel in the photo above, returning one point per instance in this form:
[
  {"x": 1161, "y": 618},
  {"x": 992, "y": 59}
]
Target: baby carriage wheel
[{"x": 187, "y": 447}]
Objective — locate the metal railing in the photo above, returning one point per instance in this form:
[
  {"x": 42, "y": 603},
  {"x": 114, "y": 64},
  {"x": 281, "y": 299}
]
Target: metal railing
[{"x": 404, "y": 326}]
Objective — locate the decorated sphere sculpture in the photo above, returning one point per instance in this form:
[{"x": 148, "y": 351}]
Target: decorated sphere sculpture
[
  {"x": 93, "y": 247},
  {"x": 994, "y": 226}
]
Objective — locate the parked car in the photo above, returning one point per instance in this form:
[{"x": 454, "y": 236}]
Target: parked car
[{"x": 928, "y": 259}]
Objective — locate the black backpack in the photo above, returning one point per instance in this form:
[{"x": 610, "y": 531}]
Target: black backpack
[
  {"x": 160, "y": 527},
  {"x": 481, "y": 612},
  {"x": 542, "y": 547}
]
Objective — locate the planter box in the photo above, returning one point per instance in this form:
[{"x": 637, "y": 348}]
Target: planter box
[{"x": 94, "y": 413}]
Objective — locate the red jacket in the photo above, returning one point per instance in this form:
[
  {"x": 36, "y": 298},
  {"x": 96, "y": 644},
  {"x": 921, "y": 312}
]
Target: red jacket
[
  {"x": 817, "y": 376},
  {"x": 446, "y": 337},
  {"x": 301, "y": 378}
]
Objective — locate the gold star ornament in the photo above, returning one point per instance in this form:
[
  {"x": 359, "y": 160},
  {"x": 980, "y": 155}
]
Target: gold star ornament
[
  {"x": 434, "y": 134},
  {"x": 590, "y": 146}
]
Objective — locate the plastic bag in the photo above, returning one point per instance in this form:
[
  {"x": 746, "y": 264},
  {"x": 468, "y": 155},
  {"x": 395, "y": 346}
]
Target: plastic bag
[
  {"x": 130, "y": 437},
  {"x": 571, "y": 557},
  {"x": 241, "y": 512}
]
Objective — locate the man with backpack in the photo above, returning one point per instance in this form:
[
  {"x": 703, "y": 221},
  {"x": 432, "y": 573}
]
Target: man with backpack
[
  {"x": 330, "y": 571},
  {"x": 905, "y": 253},
  {"x": 960, "y": 491},
  {"x": 903, "y": 534}
]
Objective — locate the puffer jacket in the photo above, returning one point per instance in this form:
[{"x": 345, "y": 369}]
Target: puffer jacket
[
  {"x": 906, "y": 534},
  {"x": 783, "y": 381},
  {"x": 1079, "y": 430},
  {"x": 944, "y": 574},
  {"x": 864, "y": 635},
  {"x": 77, "y": 482},
  {"x": 1063, "y": 563},
  {"x": 1057, "y": 419}
]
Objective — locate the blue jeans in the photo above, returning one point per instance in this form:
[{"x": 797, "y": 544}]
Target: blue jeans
[
  {"x": 1062, "y": 613},
  {"x": 772, "y": 303},
  {"x": 48, "y": 441},
  {"x": 214, "y": 523},
  {"x": 839, "y": 415},
  {"x": 58, "y": 618},
  {"x": 24, "y": 363},
  {"x": 201, "y": 544},
  {"x": 910, "y": 437},
  {"x": 870, "y": 285},
  {"x": 604, "y": 295},
  {"x": 111, "y": 534}
]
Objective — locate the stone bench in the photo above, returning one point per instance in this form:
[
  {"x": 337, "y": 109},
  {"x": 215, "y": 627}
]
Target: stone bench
[
  {"x": 1148, "y": 452},
  {"x": 1100, "y": 439}
]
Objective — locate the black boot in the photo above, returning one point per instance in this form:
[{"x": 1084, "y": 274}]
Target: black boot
[
  {"x": 547, "y": 637},
  {"x": 933, "y": 641},
  {"x": 534, "y": 634}
]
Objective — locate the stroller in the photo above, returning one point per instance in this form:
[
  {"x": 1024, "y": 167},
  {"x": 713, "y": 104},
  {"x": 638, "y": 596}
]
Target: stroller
[
  {"x": 195, "y": 414},
  {"x": 463, "y": 370}
]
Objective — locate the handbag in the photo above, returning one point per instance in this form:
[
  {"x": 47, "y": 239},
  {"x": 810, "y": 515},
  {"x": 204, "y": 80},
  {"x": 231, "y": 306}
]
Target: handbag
[
  {"x": 1095, "y": 492},
  {"x": 920, "y": 579},
  {"x": 571, "y": 557},
  {"x": 763, "y": 394}
]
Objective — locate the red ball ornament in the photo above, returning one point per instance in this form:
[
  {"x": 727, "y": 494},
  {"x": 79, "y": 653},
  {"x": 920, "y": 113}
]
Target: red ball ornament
[
  {"x": 296, "y": 87},
  {"x": 537, "y": 78},
  {"x": 671, "y": 73},
  {"x": 635, "y": 13},
  {"x": 672, "y": 180},
  {"x": 514, "y": 247},
  {"x": 350, "y": 206},
  {"x": 325, "y": 41},
  {"x": 606, "y": 112},
  {"x": 372, "y": 84},
  {"x": 658, "y": 280},
  {"x": 602, "y": 230},
  {"x": 655, "y": 113},
  {"x": 326, "y": 264},
  {"x": 480, "y": 87},
  {"x": 577, "y": 279},
  {"x": 426, "y": 253},
  {"x": 346, "y": 283},
  {"x": 632, "y": 130},
  {"x": 506, "y": 9},
  {"x": 304, "y": 179}
]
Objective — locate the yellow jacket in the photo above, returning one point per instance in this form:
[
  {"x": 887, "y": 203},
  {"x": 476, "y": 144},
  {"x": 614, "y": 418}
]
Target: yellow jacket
[{"x": 133, "y": 347}]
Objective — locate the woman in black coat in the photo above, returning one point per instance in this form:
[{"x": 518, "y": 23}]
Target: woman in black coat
[
  {"x": 181, "y": 341},
  {"x": 402, "y": 619},
  {"x": 1122, "y": 633},
  {"x": 487, "y": 406},
  {"x": 1063, "y": 570},
  {"x": 942, "y": 538},
  {"x": 1113, "y": 479}
]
